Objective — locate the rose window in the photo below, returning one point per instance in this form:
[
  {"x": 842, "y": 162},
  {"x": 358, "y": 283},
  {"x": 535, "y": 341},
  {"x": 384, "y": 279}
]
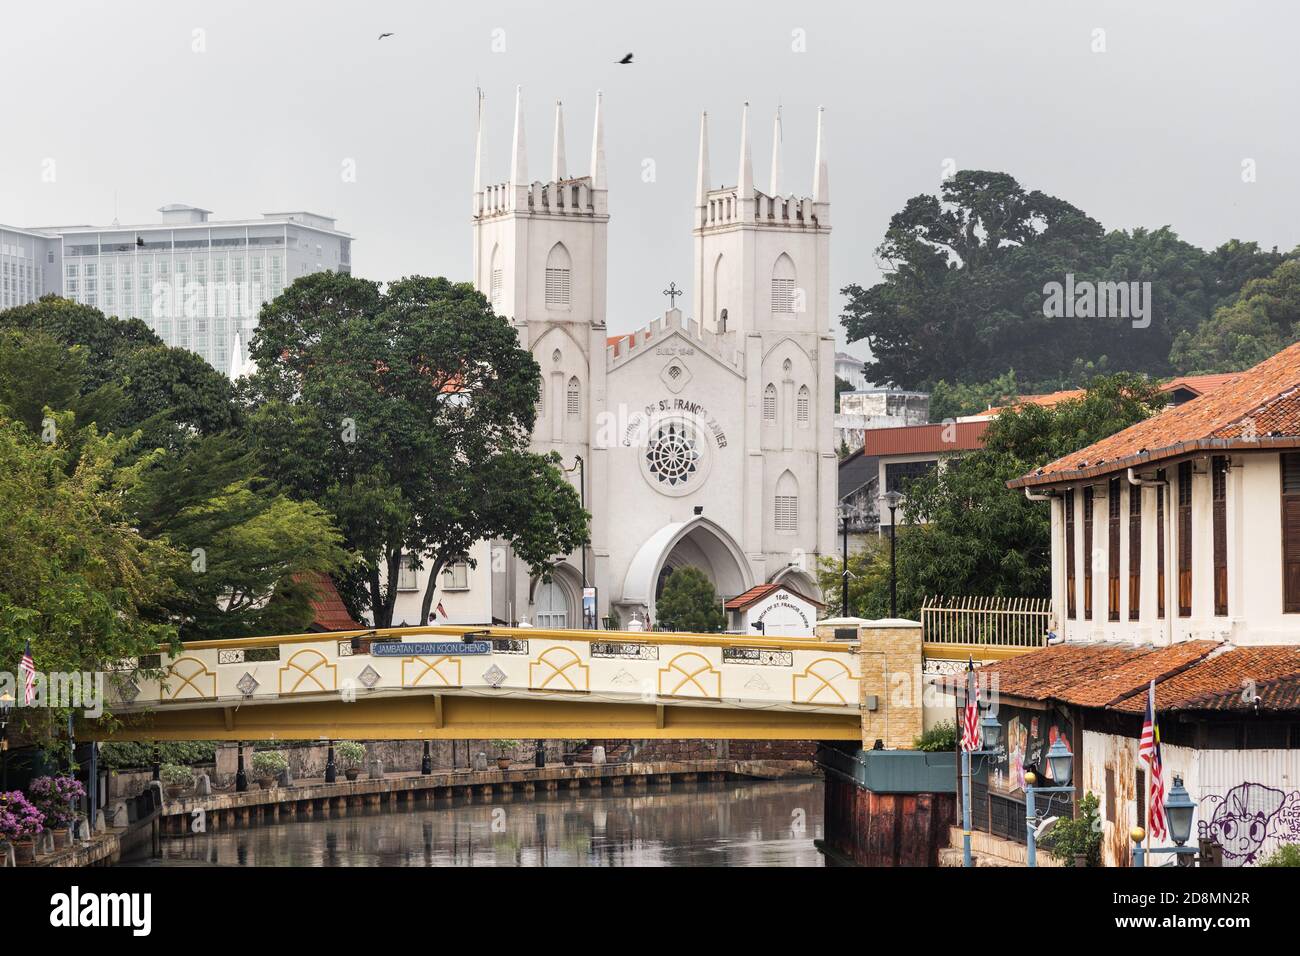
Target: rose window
[{"x": 672, "y": 456}]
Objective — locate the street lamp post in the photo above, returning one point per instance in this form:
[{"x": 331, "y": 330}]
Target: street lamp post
[
  {"x": 1061, "y": 762},
  {"x": 1179, "y": 810},
  {"x": 890, "y": 499},
  {"x": 241, "y": 775},
  {"x": 844, "y": 577},
  {"x": 989, "y": 731},
  {"x": 331, "y": 768}
]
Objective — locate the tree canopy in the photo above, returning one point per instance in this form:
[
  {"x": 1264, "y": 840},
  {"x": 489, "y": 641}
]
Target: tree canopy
[
  {"x": 689, "y": 603},
  {"x": 963, "y": 298},
  {"x": 407, "y": 413},
  {"x": 980, "y": 537}
]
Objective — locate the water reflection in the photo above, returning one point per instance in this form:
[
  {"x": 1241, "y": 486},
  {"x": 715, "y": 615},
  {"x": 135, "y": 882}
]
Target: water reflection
[{"x": 751, "y": 823}]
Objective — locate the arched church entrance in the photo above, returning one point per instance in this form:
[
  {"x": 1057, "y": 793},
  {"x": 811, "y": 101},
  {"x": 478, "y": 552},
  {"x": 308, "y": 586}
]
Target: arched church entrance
[{"x": 698, "y": 543}]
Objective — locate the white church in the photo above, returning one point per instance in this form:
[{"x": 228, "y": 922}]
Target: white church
[{"x": 703, "y": 441}]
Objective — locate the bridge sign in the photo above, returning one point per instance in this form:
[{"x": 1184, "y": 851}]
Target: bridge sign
[{"x": 428, "y": 648}]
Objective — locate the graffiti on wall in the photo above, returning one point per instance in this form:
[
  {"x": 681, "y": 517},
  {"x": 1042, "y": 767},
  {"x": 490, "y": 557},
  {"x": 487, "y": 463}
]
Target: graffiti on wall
[
  {"x": 1250, "y": 821},
  {"x": 1027, "y": 736}
]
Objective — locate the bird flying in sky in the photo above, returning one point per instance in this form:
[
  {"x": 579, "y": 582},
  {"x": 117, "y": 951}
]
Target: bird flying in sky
[
  {"x": 626, "y": 59},
  {"x": 382, "y": 35}
]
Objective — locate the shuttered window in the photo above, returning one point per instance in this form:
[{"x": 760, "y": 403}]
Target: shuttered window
[
  {"x": 1291, "y": 533},
  {"x": 1134, "y": 552},
  {"x": 1069, "y": 555},
  {"x": 557, "y": 288},
  {"x": 783, "y": 295},
  {"x": 1185, "y": 539},
  {"x": 1160, "y": 545},
  {"x": 787, "y": 513},
  {"x": 574, "y": 397},
  {"x": 769, "y": 403},
  {"x": 1112, "y": 550},
  {"x": 1219, "y": 484},
  {"x": 1087, "y": 553},
  {"x": 801, "y": 405},
  {"x": 496, "y": 287}
]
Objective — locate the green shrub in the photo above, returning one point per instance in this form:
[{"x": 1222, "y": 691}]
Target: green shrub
[
  {"x": 269, "y": 763},
  {"x": 1288, "y": 854},
  {"x": 940, "y": 737},
  {"x": 351, "y": 753},
  {"x": 140, "y": 756},
  {"x": 1080, "y": 836},
  {"x": 505, "y": 747},
  {"x": 174, "y": 775}
]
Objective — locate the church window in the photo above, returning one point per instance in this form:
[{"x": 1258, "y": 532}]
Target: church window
[
  {"x": 769, "y": 403},
  {"x": 496, "y": 287},
  {"x": 783, "y": 286},
  {"x": 673, "y": 456},
  {"x": 786, "y": 505},
  {"x": 552, "y": 605},
  {"x": 575, "y": 397},
  {"x": 557, "y": 278},
  {"x": 802, "y": 405}
]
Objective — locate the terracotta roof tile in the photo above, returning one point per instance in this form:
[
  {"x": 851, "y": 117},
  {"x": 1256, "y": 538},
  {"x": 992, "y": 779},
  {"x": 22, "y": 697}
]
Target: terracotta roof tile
[
  {"x": 1215, "y": 683},
  {"x": 920, "y": 439},
  {"x": 329, "y": 612},
  {"x": 1263, "y": 401},
  {"x": 760, "y": 591}
]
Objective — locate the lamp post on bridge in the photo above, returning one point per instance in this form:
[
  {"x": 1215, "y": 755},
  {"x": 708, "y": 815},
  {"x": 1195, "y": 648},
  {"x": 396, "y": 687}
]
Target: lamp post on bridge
[{"x": 891, "y": 499}]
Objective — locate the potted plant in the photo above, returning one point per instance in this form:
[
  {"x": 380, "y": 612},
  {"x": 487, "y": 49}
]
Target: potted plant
[
  {"x": 504, "y": 749},
  {"x": 56, "y": 798},
  {"x": 176, "y": 779},
  {"x": 267, "y": 765},
  {"x": 352, "y": 755},
  {"x": 20, "y": 824}
]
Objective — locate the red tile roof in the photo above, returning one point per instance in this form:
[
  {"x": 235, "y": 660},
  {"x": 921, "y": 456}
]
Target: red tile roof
[
  {"x": 923, "y": 439},
  {"x": 1200, "y": 384},
  {"x": 1092, "y": 675},
  {"x": 1194, "y": 675},
  {"x": 1253, "y": 410},
  {"x": 613, "y": 341},
  {"x": 760, "y": 591},
  {"x": 1217, "y": 683},
  {"x": 329, "y": 612}
]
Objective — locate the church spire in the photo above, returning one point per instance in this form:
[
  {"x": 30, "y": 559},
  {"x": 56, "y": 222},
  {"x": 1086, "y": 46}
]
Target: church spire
[
  {"x": 702, "y": 174},
  {"x": 821, "y": 179},
  {"x": 745, "y": 186},
  {"x": 519, "y": 150},
  {"x": 599, "y": 177},
  {"x": 776, "y": 155},
  {"x": 558, "y": 171},
  {"x": 478, "y": 154}
]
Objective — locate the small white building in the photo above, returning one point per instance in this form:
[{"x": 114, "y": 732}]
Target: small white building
[{"x": 769, "y": 610}]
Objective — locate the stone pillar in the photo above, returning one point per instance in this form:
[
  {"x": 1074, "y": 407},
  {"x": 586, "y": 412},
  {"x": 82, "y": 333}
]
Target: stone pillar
[{"x": 891, "y": 659}]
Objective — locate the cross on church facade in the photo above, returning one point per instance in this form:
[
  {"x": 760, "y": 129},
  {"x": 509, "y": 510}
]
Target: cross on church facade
[{"x": 673, "y": 292}]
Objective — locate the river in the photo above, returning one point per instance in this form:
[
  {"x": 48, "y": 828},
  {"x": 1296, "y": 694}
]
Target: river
[{"x": 737, "y": 823}]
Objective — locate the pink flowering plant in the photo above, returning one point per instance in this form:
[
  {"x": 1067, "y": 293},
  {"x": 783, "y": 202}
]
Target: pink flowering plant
[
  {"x": 19, "y": 819},
  {"x": 56, "y": 798}
]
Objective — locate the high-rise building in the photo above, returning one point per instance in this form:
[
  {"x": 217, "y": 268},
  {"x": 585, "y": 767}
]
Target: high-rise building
[
  {"x": 199, "y": 283},
  {"x": 29, "y": 266}
]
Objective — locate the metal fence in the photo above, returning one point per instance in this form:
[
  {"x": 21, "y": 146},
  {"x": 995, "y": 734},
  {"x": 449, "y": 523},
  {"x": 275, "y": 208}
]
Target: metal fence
[{"x": 993, "y": 621}]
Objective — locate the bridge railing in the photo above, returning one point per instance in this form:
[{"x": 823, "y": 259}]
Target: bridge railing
[
  {"x": 609, "y": 666},
  {"x": 1001, "y": 622}
]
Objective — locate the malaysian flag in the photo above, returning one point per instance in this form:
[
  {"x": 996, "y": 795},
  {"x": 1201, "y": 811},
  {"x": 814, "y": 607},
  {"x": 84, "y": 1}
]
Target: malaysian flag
[
  {"x": 970, "y": 724},
  {"x": 1149, "y": 751},
  {"x": 437, "y": 612},
  {"x": 27, "y": 667}
]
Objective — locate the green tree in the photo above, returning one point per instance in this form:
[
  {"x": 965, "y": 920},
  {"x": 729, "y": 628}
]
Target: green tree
[
  {"x": 106, "y": 341},
  {"x": 407, "y": 414},
  {"x": 76, "y": 579},
  {"x": 950, "y": 401},
  {"x": 963, "y": 300},
  {"x": 689, "y": 603},
  {"x": 1261, "y": 321},
  {"x": 964, "y": 531}
]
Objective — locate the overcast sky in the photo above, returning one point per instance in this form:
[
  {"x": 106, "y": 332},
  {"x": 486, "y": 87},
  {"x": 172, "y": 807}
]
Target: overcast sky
[{"x": 1152, "y": 131}]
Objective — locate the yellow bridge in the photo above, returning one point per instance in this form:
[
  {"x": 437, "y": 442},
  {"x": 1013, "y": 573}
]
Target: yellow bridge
[{"x": 450, "y": 682}]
